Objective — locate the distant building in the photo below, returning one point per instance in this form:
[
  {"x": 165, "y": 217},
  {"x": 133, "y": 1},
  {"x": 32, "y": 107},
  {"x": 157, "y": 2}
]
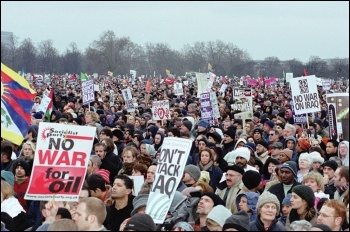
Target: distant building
[{"x": 6, "y": 37}]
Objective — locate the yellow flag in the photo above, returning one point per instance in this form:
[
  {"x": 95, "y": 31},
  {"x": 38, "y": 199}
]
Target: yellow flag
[{"x": 167, "y": 71}]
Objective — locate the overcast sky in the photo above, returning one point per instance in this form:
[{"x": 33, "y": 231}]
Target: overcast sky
[{"x": 285, "y": 30}]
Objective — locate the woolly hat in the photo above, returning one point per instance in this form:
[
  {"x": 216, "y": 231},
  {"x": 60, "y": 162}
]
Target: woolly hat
[
  {"x": 193, "y": 171},
  {"x": 235, "y": 168},
  {"x": 239, "y": 221},
  {"x": 306, "y": 193},
  {"x": 304, "y": 144},
  {"x": 184, "y": 225},
  {"x": 251, "y": 179},
  {"x": 219, "y": 214},
  {"x": 258, "y": 130},
  {"x": 119, "y": 134},
  {"x": 251, "y": 146},
  {"x": 306, "y": 156},
  {"x": 140, "y": 222},
  {"x": 316, "y": 157},
  {"x": 24, "y": 164},
  {"x": 187, "y": 124},
  {"x": 263, "y": 143},
  {"x": 270, "y": 124},
  {"x": 286, "y": 199},
  {"x": 331, "y": 163},
  {"x": 231, "y": 131},
  {"x": 287, "y": 152},
  {"x": 215, "y": 135},
  {"x": 267, "y": 197},
  {"x": 241, "y": 152},
  {"x": 138, "y": 202},
  {"x": 323, "y": 227},
  {"x": 275, "y": 112},
  {"x": 78, "y": 120},
  {"x": 216, "y": 199},
  {"x": 38, "y": 115},
  {"x": 105, "y": 174},
  {"x": 291, "y": 165},
  {"x": 8, "y": 177},
  {"x": 203, "y": 123}
]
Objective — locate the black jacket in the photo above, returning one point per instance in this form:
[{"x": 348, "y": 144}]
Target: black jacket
[{"x": 278, "y": 190}]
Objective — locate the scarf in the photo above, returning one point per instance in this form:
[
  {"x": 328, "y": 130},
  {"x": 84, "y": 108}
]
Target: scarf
[
  {"x": 205, "y": 167},
  {"x": 20, "y": 180}
]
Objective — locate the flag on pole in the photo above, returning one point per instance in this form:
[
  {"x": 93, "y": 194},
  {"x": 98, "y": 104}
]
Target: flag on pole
[
  {"x": 210, "y": 68},
  {"x": 284, "y": 75},
  {"x": 50, "y": 106},
  {"x": 305, "y": 73},
  {"x": 16, "y": 103},
  {"x": 83, "y": 76}
]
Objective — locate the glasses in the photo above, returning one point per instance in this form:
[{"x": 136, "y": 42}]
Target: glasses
[{"x": 324, "y": 215}]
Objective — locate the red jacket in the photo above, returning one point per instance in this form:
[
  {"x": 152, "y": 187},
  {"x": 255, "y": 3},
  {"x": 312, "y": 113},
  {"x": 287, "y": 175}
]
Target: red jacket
[{"x": 20, "y": 190}]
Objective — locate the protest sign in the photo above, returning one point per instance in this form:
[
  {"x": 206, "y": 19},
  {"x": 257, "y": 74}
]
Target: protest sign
[
  {"x": 130, "y": 107},
  {"x": 178, "y": 90},
  {"x": 244, "y": 116},
  {"x": 223, "y": 88},
  {"x": 338, "y": 109},
  {"x": 243, "y": 99},
  {"x": 305, "y": 95},
  {"x": 45, "y": 101},
  {"x": 211, "y": 80},
  {"x": 326, "y": 84},
  {"x": 202, "y": 82},
  {"x": 170, "y": 168},
  {"x": 88, "y": 91},
  {"x": 289, "y": 76},
  {"x": 138, "y": 182},
  {"x": 298, "y": 118},
  {"x": 205, "y": 106},
  {"x": 60, "y": 161},
  {"x": 160, "y": 110},
  {"x": 214, "y": 105}
]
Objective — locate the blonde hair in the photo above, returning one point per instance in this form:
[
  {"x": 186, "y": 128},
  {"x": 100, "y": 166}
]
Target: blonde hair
[
  {"x": 317, "y": 177},
  {"x": 31, "y": 144},
  {"x": 63, "y": 225},
  {"x": 95, "y": 206},
  {"x": 211, "y": 222},
  {"x": 6, "y": 190},
  {"x": 93, "y": 115}
]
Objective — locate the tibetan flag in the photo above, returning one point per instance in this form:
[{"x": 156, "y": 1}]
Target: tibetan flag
[
  {"x": 210, "y": 68},
  {"x": 16, "y": 103},
  {"x": 83, "y": 76},
  {"x": 305, "y": 73}
]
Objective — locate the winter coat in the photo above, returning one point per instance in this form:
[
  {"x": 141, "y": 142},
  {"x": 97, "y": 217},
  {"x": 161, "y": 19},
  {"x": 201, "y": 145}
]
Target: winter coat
[
  {"x": 278, "y": 190},
  {"x": 257, "y": 225},
  {"x": 252, "y": 200}
]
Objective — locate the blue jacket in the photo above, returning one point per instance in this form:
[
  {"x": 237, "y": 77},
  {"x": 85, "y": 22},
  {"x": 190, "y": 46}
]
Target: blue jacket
[{"x": 252, "y": 200}]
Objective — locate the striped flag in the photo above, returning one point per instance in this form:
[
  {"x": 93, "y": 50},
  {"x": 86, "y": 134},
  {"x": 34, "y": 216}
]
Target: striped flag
[{"x": 16, "y": 103}]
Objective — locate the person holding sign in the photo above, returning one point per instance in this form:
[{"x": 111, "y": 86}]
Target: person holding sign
[{"x": 206, "y": 163}]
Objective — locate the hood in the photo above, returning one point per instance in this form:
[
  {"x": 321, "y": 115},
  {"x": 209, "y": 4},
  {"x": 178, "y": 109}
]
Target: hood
[
  {"x": 345, "y": 162},
  {"x": 57, "y": 113},
  {"x": 240, "y": 140},
  {"x": 291, "y": 138},
  {"x": 252, "y": 200}
]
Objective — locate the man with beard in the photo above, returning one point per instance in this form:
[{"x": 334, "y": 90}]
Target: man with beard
[
  {"x": 288, "y": 174},
  {"x": 241, "y": 156},
  {"x": 231, "y": 187},
  {"x": 229, "y": 140},
  {"x": 122, "y": 197}
]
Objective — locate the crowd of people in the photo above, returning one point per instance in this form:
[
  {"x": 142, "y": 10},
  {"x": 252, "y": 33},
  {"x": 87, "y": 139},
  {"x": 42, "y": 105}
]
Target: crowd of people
[{"x": 267, "y": 173}]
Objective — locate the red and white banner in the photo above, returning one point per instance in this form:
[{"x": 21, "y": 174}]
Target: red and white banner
[
  {"x": 60, "y": 161},
  {"x": 160, "y": 110}
]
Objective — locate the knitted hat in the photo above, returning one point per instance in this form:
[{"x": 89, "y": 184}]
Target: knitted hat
[
  {"x": 286, "y": 199},
  {"x": 140, "y": 222},
  {"x": 78, "y": 120},
  {"x": 331, "y": 163},
  {"x": 187, "y": 124},
  {"x": 38, "y": 115},
  {"x": 24, "y": 164},
  {"x": 219, "y": 214},
  {"x": 275, "y": 112},
  {"x": 270, "y": 124},
  {"x": 304, "y": 144},
  {"x": 316, "y": 157},
  {"x": 183, "y": 225},
  {"x": 306, "y": 193},
  {"x": 287, "y": 152},
  {"x": 267, "y": 197},
  {"x": 251, "y": 179},
  {"x": 118, "y": 133},
  {"x": 203, "y": 123},
  {"x": 251, "y": 146},
  {"x": 306, "y": 156},
  {"x": 105, "y": 174},
  {"x": 216, "y": 199},
  {"x": 239, "y": 221},
  {"x": 258, "y": 130},
  {"x": 291, "y": 165},
  {"x": 193, "y": 171},
  {"x": 323, "y": 227},
  {"x": 263, "y": 143},
  {"x": 230, "y": 132},
  {"x": 278, "y": 145},
  {"x": 8, "y": 177},
  {"x": 138, "y": 202},
  {"x": 241, "y": 152},
  {"x": 215, "y": 135},
  {"x": 234, "y": 167}
]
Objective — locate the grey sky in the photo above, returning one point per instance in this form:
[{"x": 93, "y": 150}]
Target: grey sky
[{"x": 286, "y": 30}]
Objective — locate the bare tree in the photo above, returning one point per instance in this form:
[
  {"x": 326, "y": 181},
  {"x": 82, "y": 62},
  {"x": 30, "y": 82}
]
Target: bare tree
[
  {"x": 48, "y": 57},
  {"x": 28, "y": 55},
  {"x": 72, "y": 59}
]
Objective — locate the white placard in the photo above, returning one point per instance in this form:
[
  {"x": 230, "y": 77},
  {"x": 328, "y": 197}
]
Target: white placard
[
  {"x": 305, "y": 95},
  {"x": 289, "y": 76},
  {"x": 178, "y": 90},
  {"x": 88, "y": 91},
  {"x": 160, "y": 110},
  {"x": 130, "y": 107}
]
